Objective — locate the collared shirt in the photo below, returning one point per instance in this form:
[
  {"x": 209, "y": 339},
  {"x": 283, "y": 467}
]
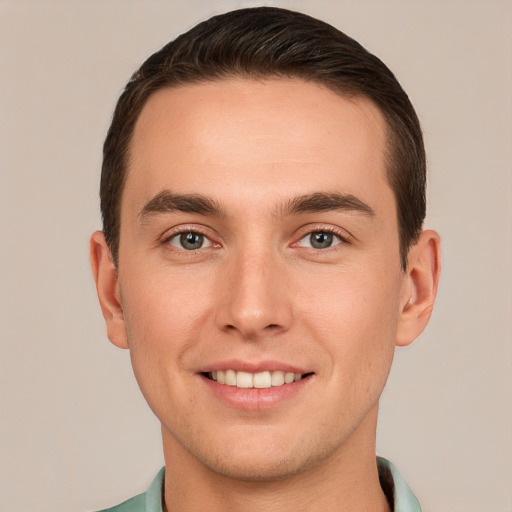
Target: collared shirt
[{"x": 151, "y": 501}]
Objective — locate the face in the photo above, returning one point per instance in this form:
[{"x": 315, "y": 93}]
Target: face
[{"x": 258, "y": 246}]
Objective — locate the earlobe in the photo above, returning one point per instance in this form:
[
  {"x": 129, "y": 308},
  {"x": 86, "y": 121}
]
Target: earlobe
[
  {"x": 107, "y": 286},
  {"x": 420, "y": 287}
]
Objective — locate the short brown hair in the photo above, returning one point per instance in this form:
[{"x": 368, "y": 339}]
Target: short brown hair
[{"x": 272, "y": 42}]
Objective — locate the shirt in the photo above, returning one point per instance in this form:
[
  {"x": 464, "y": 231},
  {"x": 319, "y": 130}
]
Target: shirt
[{"x": 151, "y": 501}]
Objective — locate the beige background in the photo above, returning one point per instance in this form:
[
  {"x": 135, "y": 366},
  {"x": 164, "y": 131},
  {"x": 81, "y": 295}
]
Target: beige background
[{"x": 75, "y": 433}]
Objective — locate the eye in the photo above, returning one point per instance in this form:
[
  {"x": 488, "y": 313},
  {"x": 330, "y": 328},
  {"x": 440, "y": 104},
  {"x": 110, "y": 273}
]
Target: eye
[
  {"x": 190, "y": 241},
  {"x": 320, "y": 240}
]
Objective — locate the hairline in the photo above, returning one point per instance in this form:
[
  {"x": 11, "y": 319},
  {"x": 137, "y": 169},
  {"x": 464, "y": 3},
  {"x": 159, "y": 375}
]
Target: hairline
[{"x": 390, "y": 158}]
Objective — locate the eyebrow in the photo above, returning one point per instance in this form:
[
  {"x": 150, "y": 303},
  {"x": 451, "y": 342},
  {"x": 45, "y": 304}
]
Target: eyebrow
[
  {"x": 327, "y": 201},
  {"x": 168, "y": 202}
]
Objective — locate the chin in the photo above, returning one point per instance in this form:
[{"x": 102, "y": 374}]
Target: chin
[
  {"x": 254, "y": 469},
  {"x": 263, "y": 458}
]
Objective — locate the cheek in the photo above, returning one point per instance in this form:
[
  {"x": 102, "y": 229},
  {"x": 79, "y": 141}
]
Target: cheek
[
  {"x": 161, "y": 315},
  {"x": 354, "y": 315},
  {"x": 161, "y": 307}
]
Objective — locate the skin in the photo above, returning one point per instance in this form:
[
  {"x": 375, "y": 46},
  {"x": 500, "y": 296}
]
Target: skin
[{"x": 256, "y": 291}]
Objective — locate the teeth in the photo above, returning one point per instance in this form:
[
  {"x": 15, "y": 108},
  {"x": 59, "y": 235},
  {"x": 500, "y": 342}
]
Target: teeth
[
  {"x": 243, "y": 380},
  {"x": 255, "y": 380},
  {"x": 277, "y": 378},
  {"x": 231, "y": 377},
  {"x": 289, "y": 378},
  {"x": 262, "y": 380}
]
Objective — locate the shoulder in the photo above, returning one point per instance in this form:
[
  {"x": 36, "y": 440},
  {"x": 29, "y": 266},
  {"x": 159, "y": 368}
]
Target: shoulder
[
  {"x": 395, "y": 488},
  {"x": 135, "y": 504},
  {"x": 149, "y": 501}
]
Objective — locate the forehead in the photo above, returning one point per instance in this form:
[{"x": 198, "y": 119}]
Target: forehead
[{"x": 245, "y": 138}]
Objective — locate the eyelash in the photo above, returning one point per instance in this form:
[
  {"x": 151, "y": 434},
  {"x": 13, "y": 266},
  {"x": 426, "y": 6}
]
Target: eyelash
[
  {"x": 341, "y": 235},
  {"x": 184, "y": 231}
]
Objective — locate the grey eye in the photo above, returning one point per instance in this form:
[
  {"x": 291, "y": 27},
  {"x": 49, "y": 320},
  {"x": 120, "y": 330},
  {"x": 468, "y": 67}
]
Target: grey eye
[
  {"x": 321, "y": 239},
  {"x": 190, "y": 241}
]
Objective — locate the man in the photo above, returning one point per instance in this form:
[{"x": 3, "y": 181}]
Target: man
[{"x": 263, "y": 194}]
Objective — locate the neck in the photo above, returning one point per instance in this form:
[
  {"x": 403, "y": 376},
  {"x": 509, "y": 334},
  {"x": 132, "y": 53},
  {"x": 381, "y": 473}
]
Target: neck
[{"x": 346, "y": 481}]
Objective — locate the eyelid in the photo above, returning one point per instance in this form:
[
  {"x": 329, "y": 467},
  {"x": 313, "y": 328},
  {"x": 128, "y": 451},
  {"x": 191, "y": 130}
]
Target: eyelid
[
  {"x": 175, "y": 231},
  {"x": 177, "y": 236},
  {"x": 344, "y": 236}
]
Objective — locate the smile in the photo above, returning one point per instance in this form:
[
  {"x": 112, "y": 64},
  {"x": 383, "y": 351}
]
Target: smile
[{"x": 261, "y": 380}]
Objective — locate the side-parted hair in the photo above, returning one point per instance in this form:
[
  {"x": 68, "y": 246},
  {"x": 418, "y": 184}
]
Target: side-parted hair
[{"x": 269, "y": 42}]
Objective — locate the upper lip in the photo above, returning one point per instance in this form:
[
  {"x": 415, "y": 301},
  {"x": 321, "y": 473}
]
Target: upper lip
[{"x": 252, "y": 367}]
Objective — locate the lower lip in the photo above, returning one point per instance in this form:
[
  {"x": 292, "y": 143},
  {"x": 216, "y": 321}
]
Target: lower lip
[{"x": 255, "y": 399}]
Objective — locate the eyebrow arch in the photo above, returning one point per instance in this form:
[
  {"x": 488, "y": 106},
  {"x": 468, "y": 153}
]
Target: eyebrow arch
[
  {"x": 168, "y": 202},
  {"x": 327, "y": 201}
]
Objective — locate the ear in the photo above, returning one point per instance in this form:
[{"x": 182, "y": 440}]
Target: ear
[
  {"x": 420, "y": 287},
  {"x": 107, "y": 287}
]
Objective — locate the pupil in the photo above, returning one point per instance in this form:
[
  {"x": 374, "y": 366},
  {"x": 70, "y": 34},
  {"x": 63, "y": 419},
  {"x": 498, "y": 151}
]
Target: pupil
[
  {"x": 191, "y": 240},
  {"x": 321, "y": 240}
]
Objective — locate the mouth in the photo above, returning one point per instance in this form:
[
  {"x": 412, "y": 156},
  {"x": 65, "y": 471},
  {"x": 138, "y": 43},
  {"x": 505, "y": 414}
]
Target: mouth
[{"x": 260, "y": 380}]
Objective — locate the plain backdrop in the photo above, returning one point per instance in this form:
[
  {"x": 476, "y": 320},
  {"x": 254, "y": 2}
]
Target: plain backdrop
[{"x": 75, "y": 432}]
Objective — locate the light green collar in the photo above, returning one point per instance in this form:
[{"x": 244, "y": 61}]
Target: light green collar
[
  {"x": 151, "y": 500},
  {"x": 404, "y": 499}
]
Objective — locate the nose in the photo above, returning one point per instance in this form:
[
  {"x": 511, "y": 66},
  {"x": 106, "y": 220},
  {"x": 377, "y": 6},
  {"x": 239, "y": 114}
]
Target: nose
[{"x": 254, "y": 299}]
